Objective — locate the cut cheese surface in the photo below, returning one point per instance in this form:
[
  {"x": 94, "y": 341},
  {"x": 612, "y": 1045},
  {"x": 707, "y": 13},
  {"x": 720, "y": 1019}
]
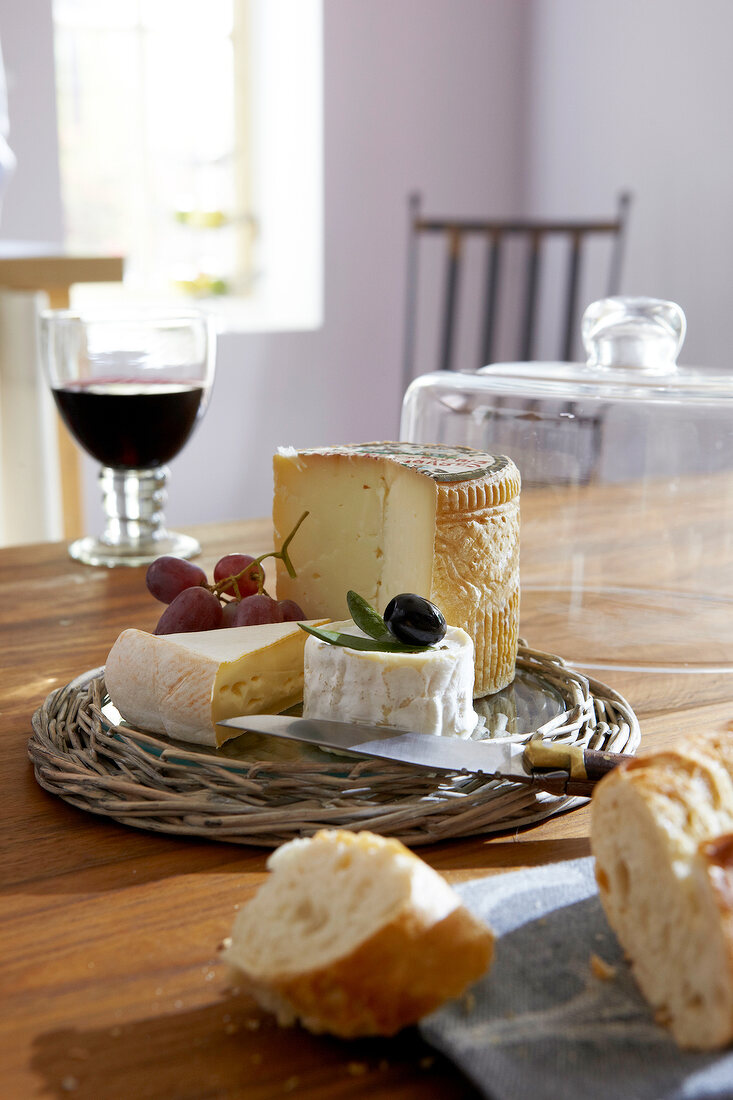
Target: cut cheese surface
[
  {"x": 181, "y": 685},
  {"x": 430, "y": 691},
  {"x": 360, "y": 514},
  {"x": 386, "y": 518}
]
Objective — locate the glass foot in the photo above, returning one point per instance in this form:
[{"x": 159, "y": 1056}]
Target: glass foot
[
  {"x": 135, "y": 531},
  {"x": 95, "y": 551}
]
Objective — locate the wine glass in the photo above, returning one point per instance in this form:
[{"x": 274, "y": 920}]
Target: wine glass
[{"x": 130, "y": 388}]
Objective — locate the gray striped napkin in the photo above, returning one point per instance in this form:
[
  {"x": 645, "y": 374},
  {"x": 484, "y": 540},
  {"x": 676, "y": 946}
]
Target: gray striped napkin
[{"x": 542, "y": 1025}]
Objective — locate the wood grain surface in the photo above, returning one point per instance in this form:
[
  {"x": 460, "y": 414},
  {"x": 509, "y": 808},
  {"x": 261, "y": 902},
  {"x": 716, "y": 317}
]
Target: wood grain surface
[{"x": 111, "y": 986}]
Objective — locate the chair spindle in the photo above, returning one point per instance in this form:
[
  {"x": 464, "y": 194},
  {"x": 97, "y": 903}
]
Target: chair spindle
[
  {"x": 452, "y": 276},
  {"x": 490, "y": 296},
  {"x": 571, "y": 308}
]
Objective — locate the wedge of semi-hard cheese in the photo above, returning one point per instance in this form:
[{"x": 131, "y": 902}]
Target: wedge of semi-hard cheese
[
  {"x": 386, "y": 518},
  {"x": 181, "y": 685}
]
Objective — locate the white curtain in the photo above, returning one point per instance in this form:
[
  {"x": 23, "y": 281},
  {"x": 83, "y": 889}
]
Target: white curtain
[{"x": 30, "y": 493}]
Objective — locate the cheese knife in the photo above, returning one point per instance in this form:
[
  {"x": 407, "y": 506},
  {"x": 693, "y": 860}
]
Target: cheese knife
[{"x": 547, "y": 766}]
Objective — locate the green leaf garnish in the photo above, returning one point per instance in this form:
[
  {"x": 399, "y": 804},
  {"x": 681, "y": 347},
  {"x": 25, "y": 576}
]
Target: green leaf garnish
[
  {"x": 367, "y": 619},
  {"x": 350, "y": 641}
]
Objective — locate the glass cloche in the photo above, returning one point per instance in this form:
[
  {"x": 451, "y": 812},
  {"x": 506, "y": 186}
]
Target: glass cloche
[{"x": 627, "y": 489}]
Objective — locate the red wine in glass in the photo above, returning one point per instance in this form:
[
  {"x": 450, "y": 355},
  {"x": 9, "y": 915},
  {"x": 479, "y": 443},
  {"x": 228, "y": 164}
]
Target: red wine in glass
[
  {"x": 130, "y": 385},
  {"x": 130, "y": 424}
]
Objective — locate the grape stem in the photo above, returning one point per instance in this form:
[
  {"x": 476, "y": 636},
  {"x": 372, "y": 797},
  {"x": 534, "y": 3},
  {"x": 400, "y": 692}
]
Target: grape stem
[{"x": 219, "y": 588}]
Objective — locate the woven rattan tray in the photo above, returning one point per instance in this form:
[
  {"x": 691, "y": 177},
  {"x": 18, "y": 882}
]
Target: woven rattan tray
[{"x": 258, "y": 791}]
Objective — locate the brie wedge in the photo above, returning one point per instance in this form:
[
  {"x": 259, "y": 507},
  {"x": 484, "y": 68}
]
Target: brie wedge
[{"x": 181, "y": 685}]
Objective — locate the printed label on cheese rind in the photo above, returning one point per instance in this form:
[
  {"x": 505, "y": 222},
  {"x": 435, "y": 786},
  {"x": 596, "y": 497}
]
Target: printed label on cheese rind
[{"x": 439, "y": 461}]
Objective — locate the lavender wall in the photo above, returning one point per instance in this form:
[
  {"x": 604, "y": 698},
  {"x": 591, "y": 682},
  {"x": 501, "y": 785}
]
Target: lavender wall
[
  {"x": 418, "y": 93},
  {"x": 639, "y": 95},
  {"x": 547, "y": 106},
  {"x": 32, "y": 206},
  {"x": 421, "y": 93}
]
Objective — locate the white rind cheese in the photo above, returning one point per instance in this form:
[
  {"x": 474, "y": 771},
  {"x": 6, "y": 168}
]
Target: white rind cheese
[
  {"x": 386, "y": 518},
  {"x": 181, "y": 685},
  {"x": 429, "y": 692}
]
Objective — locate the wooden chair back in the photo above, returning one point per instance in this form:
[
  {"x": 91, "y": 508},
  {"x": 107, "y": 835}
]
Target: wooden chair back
[{"x": 497, "y": 234}]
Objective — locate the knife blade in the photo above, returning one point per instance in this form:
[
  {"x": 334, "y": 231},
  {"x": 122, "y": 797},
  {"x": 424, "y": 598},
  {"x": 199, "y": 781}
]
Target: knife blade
[{"x": 557, "y": 768}]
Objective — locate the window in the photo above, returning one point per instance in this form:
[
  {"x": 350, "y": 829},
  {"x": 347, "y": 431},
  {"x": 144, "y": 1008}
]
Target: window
[{"x": 178, "y": 122}]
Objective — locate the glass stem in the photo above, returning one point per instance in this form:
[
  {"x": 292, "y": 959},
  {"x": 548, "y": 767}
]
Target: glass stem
[{"x": 133, "y": 502}]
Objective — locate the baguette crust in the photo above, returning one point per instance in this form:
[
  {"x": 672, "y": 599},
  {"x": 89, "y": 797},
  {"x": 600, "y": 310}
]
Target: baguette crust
[
  {"x": 389, "y": 976},
  {"x": 661, "y": 833},
  {"x": 402, "y": 973}
]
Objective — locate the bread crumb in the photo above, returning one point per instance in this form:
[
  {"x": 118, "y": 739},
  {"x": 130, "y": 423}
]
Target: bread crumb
[
  {"x": 427, "y": 1063},
  {"x": 601, "y": 969},
  {"x": 68, "y": 1084},
  {"x": 384, "y": 1064},
  {"x": 357, "y": 1069},
  {"x": 469, "y": 1003},
  {"x": 231, "y": 1029},
  {"x": 291, "y": 1084},
  {"x": 253, "y": 1024}
]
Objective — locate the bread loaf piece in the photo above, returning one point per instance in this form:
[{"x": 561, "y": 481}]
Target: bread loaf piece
[
  {"x": 353, "y": 935},
  {"x": 385, "y": 518},
  {"x": 662, "y": 837}
]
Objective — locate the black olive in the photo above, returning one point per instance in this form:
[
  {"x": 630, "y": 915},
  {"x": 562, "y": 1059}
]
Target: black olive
[{"x": 414, "y": 620}]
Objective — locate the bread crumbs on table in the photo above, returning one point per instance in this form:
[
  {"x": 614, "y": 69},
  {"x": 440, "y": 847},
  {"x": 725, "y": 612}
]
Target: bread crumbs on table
[{"x": 601, "y": 969}]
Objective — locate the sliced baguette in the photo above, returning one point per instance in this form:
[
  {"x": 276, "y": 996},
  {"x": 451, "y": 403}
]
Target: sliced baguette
[
  {"x": 661, "y": 830},
  {"x": 353, "y": 935}
]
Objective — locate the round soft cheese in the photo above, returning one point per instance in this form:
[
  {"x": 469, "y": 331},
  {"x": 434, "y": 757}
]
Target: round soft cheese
[{"x": 429, "y": 692}]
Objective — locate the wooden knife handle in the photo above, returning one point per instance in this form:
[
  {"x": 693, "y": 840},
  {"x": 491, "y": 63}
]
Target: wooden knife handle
[{"x": 597, "y": 764}]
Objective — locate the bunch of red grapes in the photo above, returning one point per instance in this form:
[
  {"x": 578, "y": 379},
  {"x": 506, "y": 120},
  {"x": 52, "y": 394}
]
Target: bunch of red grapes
[{"x": 237, "y": 597}]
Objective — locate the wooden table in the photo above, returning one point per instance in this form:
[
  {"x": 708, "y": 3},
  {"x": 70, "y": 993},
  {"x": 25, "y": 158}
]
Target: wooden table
[{"x": 111, "y": 985}]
